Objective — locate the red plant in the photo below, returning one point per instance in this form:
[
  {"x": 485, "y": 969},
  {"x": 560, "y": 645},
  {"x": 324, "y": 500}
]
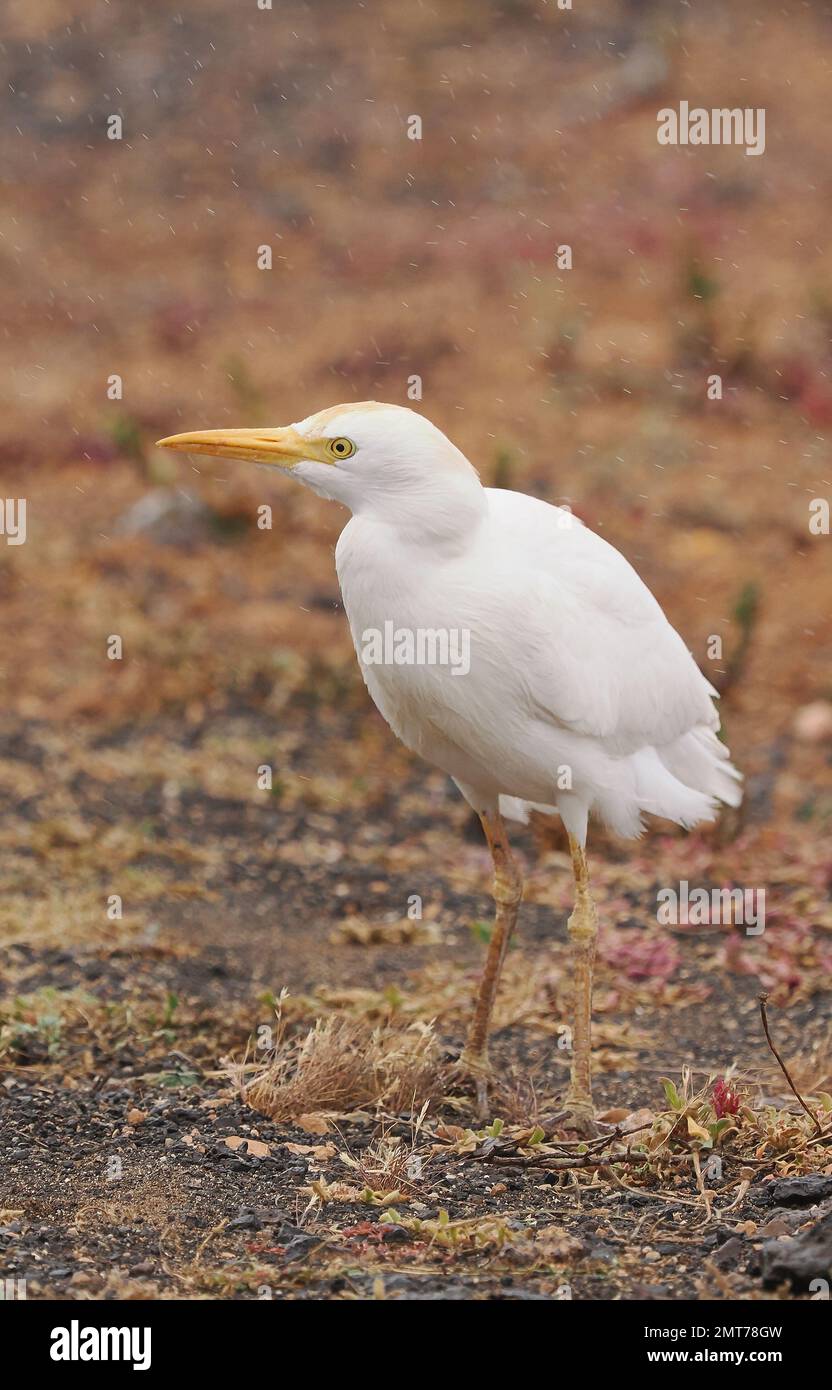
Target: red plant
[{"x": 725, "y": 1101}]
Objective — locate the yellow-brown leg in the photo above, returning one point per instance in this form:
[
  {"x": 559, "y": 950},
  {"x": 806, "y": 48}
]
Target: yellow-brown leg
[
  {"x": 583, "y": 929},
  {"x": 508, "y": 890}
]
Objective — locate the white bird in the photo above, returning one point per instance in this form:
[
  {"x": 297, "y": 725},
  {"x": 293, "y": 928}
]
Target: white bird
[{"x": 570, "y": 691}]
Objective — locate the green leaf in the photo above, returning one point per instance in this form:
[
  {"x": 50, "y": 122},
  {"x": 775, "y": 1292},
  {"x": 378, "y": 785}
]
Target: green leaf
[
  {"x": 715, "y": 1130},
  {"x": 674, "y": 1100},
  {"x": 700, "y": 285}
]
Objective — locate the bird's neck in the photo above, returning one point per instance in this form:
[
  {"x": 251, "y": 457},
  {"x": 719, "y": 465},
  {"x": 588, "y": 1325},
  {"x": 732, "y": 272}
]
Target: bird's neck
[{"x": 443, "y": 518}]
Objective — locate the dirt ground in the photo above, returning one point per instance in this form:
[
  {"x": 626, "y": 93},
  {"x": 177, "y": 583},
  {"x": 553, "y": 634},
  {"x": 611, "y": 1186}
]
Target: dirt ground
[{"x": 230, "y": 1009}]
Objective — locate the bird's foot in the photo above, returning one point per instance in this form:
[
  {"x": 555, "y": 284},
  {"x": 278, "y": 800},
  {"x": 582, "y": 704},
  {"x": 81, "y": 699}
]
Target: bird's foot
[
  {"x": 578, "y": 1116},
  {"x": 474, "y": 1067}
]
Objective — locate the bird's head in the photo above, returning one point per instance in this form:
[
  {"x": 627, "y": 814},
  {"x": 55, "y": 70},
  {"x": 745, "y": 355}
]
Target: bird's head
[{"x": 383, "y": 459}]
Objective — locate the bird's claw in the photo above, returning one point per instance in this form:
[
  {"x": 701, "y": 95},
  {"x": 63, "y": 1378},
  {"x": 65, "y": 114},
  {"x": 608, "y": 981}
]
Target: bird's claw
[{"x": 578, "y": 1119}]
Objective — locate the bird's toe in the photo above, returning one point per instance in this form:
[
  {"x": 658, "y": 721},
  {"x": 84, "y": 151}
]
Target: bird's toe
[{"x": 578, "y": 1119}]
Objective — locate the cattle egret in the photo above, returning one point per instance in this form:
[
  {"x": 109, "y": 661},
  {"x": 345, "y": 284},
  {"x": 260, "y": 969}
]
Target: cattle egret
[{"x": 575, "y": 696}]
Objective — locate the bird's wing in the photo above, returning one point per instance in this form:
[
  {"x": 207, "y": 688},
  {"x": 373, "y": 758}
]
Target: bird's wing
[{"x": 608, "y": 664}]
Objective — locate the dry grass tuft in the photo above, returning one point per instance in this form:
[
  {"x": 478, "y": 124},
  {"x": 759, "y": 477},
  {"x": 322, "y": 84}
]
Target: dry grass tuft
[
  {"x": 515, "y": 1096},
  {"x": 389, "y": 1164},
  {"x": 341, "y": 1064}
]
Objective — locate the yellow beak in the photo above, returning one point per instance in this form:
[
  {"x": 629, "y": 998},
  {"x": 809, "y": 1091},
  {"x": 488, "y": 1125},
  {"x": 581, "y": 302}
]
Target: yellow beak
[{"x": 282, "y": 447}]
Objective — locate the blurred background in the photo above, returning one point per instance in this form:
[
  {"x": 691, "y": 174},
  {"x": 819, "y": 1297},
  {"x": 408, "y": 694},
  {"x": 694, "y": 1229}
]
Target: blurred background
[{"x": 134, "y": 306}]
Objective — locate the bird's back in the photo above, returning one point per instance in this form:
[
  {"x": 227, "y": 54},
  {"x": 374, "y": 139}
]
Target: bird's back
[
  {"x": 572, "y": 664},
  {"x": 616, "y": 669}
]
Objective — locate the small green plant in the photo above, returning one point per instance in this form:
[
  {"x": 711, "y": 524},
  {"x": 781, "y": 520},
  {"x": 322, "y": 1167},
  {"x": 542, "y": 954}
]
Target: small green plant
[
  {"x": 482, "y": 932},
  {"x": 40, "y": 1020},
  {"x": 503, "y": 469},
  {"x": 699, "y": 285},
  {"x": 126, "y": 434},
  {"x": 745, "y": 614}
]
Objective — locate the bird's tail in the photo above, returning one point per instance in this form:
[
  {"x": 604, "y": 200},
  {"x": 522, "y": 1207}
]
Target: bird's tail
[
  {"x": 700, "y": 761},
  {"x": 683, "y": 781}
]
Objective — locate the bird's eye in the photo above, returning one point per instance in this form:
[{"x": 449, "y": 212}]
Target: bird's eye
[{"x": 340, "y": 448}]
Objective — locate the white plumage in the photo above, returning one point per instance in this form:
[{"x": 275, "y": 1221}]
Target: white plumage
[
  {"x": 578, "y": 695},
  {"x": 575, "y": 673}
]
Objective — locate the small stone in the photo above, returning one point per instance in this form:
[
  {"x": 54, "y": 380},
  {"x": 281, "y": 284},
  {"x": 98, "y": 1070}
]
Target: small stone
[
  {"x": 800, "y": 1191},
  {"x": 314, "y": 1123},
  {"x": 801, "y": 1259},
  {"x": 256, "y": 1147},
  {"x": 774, "y": 1228},
  {"x": 395, "y": 1234},
  {"x": 728, "y": 1254},
  {"x": 813, "y": 723}
]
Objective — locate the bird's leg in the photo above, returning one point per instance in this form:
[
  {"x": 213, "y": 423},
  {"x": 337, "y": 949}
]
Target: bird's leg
[
  {"x": 583, "y": 929},
  {"x": 507, "y": 890}
]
